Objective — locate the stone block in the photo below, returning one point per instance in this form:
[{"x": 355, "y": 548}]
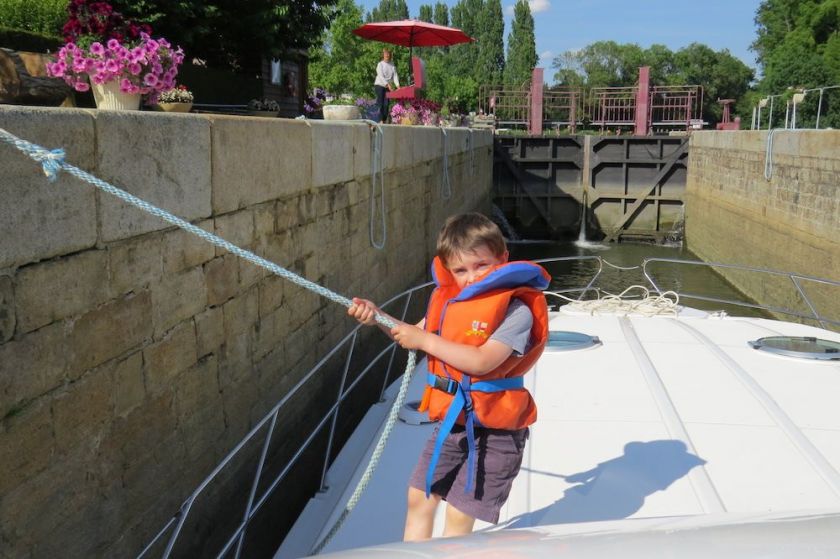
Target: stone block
[
  {"x": 27, "y": 445},
  {"x": 7, "y": 309},
  {"x": 168, "y": 357},
  {"x": 271, "y": 294},
  {"x": 287, "y": 215},
  {"x": 235, "y": 359},
  {"x": 135, "y": 263},
  {"x": 222, "y": 277},
  {"x": 164, "y": 161},
  {"x": 209, "y": 331},
  {"x": 198, "y": 405},
  {"x": 250, "y": 273},
  {"x": 264, "y": 220},
  {"x": 178, "y": 297},
  {"x": 427, "y": 143},
  {"x": 129, "y": 384},
  {"x": 257, "y": 160},
  {"x": 183, "y": 250},
  {"x": 109, "y": 331},
  {"x": 82, "y": 410},
  {"x": 31, "y": 366},
  {"x": 45, "y": 219},
  {"x": 362, "y": 150},
  {"x": 241, "y": 313},
  {"x": 332, "y": 156},
  {"x": 236, "y": 228},
  {"x": 270, "y": 333}
]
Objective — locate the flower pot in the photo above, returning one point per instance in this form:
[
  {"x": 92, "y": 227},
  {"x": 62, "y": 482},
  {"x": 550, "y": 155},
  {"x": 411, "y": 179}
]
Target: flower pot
[
  {"x": 108, "y": 97},
  {"x": 341, "y": 112},
  {"x": 175, "y": 107}
]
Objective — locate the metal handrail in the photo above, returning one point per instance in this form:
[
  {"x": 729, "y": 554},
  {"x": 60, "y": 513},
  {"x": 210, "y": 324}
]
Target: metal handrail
[
  {"x": 254, "y": 504},
  {"x": 795, "y": 279},
  {"x": 237, "y": 537}
]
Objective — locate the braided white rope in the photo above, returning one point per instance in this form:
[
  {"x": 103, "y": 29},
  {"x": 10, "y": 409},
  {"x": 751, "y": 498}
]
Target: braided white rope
[
  {"x": 446, "y": 187},
  {"x": 768, "y": 155},
  {"x": 53, "y": 160},
  {"x": 377, "y": 177},
  {"x": 665, "y": 304}
]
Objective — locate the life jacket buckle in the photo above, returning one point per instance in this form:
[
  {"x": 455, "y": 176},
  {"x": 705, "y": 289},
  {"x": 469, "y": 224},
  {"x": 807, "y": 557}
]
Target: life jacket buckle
[{"x": 448, "y": 385}]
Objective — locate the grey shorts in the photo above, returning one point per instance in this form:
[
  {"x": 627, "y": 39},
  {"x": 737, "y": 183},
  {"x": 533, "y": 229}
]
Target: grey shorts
[{"x": 498, "y": 458}]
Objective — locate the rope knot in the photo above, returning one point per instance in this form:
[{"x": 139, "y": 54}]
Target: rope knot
[{"x": 51, "y": 161}]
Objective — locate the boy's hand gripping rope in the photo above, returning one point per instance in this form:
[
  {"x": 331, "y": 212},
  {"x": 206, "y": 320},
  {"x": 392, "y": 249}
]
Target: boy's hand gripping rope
[{"x": 52, "y": 161}]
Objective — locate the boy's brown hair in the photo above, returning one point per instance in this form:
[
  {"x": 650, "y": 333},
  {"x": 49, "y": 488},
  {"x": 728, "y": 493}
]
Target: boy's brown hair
[{"x": 466, "y": 232}]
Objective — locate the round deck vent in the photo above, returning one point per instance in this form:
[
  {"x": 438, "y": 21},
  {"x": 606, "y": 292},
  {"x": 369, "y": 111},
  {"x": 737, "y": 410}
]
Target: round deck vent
[
  {"x": 800, "y": 347},
  {"x": 559, "y": 340}
]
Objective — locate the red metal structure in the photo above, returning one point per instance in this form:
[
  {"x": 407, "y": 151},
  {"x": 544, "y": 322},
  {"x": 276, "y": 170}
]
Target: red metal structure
[
  {"x": 675, "y": 107},
  {"x": 726, "y": 123},
  {"x": 613, "y": 107},
  {"x": 643, "y": 108}
]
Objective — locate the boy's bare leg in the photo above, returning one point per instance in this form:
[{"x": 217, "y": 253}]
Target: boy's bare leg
[
  {"x": 457, "y": 523},
  {"x": 420, "y": 517}
]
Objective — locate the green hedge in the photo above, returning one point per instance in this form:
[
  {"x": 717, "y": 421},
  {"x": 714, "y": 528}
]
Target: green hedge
[
  {"x": 37, "y": 16},
  {"x": 16, "y": 39}
]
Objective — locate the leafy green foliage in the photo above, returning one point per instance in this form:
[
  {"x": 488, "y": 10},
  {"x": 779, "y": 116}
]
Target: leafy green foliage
[
  {"x": 37, "y": 16},
  {"x": 522, "y": 51},
  {"x": 427, "y": 13},
  {"x": 441, "y": 16},
  {"x": 491, "y": 43},
  {"x": 234, "y": 35},
  {"x": 344, "y": 63},
  {"x": 609, "y": 64},
  {"x": 798, "y": 46},
  {"x": 389, "y": 10}
]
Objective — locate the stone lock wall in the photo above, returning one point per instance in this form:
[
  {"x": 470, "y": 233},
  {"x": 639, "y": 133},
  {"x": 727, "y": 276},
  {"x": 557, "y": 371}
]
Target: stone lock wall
[
  {"x": 133, "y": 356},
  {"x": 790, "y": 222}
]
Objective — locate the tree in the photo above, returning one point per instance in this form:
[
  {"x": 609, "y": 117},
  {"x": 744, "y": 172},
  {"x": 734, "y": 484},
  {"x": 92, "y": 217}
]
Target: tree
[
  {"x": 441, "y": 16},
  {"x": 722, "y": 76},
  {"x": 522, "y": 49},
  {"x": 426, "y": 13},
  {"x": 490, "y": 66},
  {"x": 798, "y": 47},
  {"x": 389, "y": 10},
  {"x": 344, "y": 63},
  {"x": 465, "y": 16},
  {"x": 235, "y": 35}
]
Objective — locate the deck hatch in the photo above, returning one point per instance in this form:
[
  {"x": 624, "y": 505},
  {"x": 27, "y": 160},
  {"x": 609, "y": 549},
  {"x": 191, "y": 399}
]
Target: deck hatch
[
  {"x": 800, "y": 347},
  {"x": 561, "y": 340}
]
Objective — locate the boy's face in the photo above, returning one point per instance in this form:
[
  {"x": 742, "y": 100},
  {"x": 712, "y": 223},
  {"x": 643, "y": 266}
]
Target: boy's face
[{"x": 466, "y": 267}]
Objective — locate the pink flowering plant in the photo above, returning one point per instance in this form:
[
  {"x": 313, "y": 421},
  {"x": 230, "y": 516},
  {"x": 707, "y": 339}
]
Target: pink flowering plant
[
  {"x": 102, "y": 46},
  {"x": 416, "y": 111},
  {"x": 147, "y": 66}
]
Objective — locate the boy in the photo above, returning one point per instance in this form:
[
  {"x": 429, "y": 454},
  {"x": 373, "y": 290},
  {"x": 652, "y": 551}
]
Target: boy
[{"x": 486, "y": 325}]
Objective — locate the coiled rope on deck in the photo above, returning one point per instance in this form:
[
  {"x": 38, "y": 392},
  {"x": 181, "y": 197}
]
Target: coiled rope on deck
[
  {"x": 52, "y": 161},
  {"x": 664, "y": 304}
]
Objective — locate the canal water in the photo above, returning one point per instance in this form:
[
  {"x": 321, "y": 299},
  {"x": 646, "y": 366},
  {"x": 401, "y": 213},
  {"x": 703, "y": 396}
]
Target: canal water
[{"x": 622, "y": 269}]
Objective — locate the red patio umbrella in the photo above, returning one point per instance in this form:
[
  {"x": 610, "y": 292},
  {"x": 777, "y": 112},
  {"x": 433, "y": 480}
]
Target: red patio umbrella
[{"x": 412, "y": 33}]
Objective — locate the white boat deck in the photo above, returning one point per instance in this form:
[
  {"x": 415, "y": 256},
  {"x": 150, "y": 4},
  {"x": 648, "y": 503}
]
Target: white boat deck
[{"x": 669, "y": 417}]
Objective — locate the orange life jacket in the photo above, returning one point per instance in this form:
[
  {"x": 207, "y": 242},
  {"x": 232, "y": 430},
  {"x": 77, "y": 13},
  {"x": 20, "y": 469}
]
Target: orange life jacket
[{"x": 469, "y": 316}]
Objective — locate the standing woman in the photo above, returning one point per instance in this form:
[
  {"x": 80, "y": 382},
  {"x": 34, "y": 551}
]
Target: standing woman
[{"x": 386, "y": 78}]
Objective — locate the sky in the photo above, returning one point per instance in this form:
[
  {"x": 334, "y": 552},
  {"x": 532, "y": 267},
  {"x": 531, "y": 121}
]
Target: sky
[{"x": 562, "y": 25}]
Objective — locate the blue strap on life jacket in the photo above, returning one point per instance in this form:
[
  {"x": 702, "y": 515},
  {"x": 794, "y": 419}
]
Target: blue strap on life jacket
[{"x": 462, "y": 401}]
